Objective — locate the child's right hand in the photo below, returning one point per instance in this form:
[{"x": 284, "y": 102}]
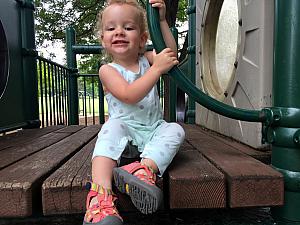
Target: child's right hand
[{"x": 164, "y": 61}]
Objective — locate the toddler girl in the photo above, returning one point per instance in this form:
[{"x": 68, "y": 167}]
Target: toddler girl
[{"x": 135, "y": 114}]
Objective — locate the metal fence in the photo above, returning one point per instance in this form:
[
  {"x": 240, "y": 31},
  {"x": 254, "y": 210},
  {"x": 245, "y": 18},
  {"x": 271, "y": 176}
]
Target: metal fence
[
  {"x": 52, "y": 92},
  {"x": 92, "y": 106},
  {"x": 54, "y": 98}
]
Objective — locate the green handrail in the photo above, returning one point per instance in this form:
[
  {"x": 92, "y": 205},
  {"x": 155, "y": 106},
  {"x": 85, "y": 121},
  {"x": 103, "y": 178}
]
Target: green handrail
[{"x": 188, "y": 87}]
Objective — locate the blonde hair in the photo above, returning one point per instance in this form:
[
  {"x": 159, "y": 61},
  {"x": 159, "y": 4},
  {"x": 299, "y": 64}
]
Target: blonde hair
[{"x": 140, "y": 10}]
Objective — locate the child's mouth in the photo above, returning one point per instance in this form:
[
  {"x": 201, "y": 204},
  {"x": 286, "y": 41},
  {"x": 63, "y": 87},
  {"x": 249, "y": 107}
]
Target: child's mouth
[{"x": 120, "y": 42}]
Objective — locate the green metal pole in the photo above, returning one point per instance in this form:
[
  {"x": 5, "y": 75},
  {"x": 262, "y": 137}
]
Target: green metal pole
[
  {"x": 29, "y": 54},
  {"x": 72, "y": 79},
  {"x": 173, "y": 87},
  {"x": 286, "y": 95},
  {"x": 191, "y": 57}
]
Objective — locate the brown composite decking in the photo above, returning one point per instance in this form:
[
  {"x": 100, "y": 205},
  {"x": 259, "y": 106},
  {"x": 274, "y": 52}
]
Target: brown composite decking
[{"x": 44, "y": 171}]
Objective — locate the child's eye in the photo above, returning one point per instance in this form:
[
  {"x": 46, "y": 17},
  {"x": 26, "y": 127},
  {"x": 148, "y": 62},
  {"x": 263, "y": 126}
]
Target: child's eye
[
  {"x": 129, "y": 28},
  {"x": 110, "y": 28}
]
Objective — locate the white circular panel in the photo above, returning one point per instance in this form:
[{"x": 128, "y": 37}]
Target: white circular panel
[
  {"x": 234, "y": 42},
  {"x": 220, "y": 40},
  {"x": 226, "y": 43}
]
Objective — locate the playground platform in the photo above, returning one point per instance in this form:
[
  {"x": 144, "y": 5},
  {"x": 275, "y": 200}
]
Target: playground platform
[{"x": 43, "y": 173}]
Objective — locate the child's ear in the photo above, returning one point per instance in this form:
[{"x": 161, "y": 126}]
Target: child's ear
[{"x": 144, "y": 38}]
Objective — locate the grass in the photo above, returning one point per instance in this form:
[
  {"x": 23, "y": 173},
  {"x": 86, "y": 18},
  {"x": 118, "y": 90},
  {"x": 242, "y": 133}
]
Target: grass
[{"x": 88, "y": 105}]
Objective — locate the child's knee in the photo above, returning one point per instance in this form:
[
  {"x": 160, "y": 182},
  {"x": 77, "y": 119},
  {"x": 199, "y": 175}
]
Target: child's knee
[{"x": 177, "y": 131}]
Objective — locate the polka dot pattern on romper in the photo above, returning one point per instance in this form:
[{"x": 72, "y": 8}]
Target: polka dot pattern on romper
[
  {"x": 179, "y": 134},
  {"x": 105, "y": 132},
  {"x": 141, "y": 107}
]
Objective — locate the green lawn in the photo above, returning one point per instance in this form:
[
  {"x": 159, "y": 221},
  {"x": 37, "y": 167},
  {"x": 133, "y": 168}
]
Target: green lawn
[{"x": 90, "y": 106}]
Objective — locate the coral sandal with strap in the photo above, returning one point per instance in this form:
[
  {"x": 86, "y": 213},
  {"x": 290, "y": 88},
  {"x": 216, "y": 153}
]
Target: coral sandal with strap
[
  {"x": 141, "y": 188},
  {"x": 104, "y": 211}
]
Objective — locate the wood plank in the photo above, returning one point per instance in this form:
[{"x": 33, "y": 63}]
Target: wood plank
[
  {"x": 195, "y": 183},
  {"x": 20, "y": 183},
  {"x": 263, "y": 155},
  {"x": 64, "y": 191},
  {"x": 11, "y": 155},
  {"x": 249, "y": 181},
  {"x": 23, "y": 136}
]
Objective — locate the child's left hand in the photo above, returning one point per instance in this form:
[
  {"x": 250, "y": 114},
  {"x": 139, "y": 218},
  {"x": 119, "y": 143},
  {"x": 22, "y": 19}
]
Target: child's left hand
[{"x": 160, "y": 4}]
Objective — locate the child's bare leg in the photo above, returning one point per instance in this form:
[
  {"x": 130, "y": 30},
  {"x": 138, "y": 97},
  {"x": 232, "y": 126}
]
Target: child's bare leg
[
  {"x": 102, "y": 171},
  {"x": 150, "y": 164}
]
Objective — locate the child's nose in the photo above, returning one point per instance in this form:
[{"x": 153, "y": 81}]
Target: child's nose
[{"x": 119, "y": 31}]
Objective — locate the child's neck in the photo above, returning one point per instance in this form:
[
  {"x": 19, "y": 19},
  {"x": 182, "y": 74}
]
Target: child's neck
[{"x": 129, "y": 64}]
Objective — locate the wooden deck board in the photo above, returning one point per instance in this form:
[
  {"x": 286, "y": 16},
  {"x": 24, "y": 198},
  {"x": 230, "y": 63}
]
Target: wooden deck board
[
  {"x": 23, "y": 136},
  {"x": 249, "y": 181},
  {"x": 263, "y": 155},
  {"x": 64, "y": 191},
  {"x": 20, "y": 184},
  {"x": 13, "y": 154},
  {"x": 195, "y": 183}
]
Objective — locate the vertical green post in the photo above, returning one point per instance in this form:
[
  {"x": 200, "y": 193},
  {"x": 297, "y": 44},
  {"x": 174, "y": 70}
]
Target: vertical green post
[
  {"x": 191, "y": 57},
  {"x": 72, "y": 79},
  {"x": 286, "y": 92},
  {"x": 173, "y": 87},
  {"x": 31, "y": 105}
]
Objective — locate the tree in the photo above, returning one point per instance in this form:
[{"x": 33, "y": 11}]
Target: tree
[{"x": 53, "y": 17}]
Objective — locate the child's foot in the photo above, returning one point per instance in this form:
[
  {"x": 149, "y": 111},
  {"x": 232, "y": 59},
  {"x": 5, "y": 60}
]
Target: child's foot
[
  {"x": 101, "y": 209},
  {"x": 138, "y": 181}
]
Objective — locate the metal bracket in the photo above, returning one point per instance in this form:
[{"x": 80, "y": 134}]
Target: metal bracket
[
  {"x": 25, "y": 4},
  {"x": 282, "y": 126},
  {"x": 29, "y": 52}
]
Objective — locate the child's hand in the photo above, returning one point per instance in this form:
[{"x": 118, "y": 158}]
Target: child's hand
[
  {"x": 160, "y": 4},
  {"x": 165, "y": 60}
]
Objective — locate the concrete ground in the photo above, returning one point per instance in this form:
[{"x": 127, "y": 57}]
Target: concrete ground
[{"x": 255, "y": 216}]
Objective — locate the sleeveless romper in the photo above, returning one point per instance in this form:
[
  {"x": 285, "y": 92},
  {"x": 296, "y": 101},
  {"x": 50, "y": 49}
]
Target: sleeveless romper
[{"x": 141, "y": 124}]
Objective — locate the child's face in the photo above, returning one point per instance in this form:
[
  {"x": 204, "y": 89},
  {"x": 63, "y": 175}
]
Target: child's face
[{"x": 121, "y": 36}]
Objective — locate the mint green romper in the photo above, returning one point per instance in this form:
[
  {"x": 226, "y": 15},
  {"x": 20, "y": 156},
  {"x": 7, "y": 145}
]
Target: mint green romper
[{"x": 141, "y": 124}]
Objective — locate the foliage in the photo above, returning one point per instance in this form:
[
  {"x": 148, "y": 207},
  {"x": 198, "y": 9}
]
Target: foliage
[
  {"x": 181, "y": 13},
  {"x": 53, "y": 17}
]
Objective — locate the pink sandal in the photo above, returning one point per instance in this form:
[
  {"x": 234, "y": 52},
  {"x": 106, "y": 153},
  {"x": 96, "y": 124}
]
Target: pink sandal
[
  {"x": 141, "y": 188},
  {"x": 104, "y": 211}
]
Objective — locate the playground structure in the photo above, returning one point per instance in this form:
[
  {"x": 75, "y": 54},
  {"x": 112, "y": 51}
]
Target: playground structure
[{"x": 280, "y": 121}]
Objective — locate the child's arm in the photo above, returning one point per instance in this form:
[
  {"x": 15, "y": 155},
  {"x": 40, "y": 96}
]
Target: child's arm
[
  {"x": 137, "y": 90},
  {"x": 167, "y": 35}
]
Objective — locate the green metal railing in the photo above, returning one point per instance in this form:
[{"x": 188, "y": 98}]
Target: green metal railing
[
  {"x": 52, "y": 92},
  {"x": 281, "y": 123},
  {"x": 188, "y": 86},
  {"x": 91, "y": 99},
  {"x": 53, "y": 86}
]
